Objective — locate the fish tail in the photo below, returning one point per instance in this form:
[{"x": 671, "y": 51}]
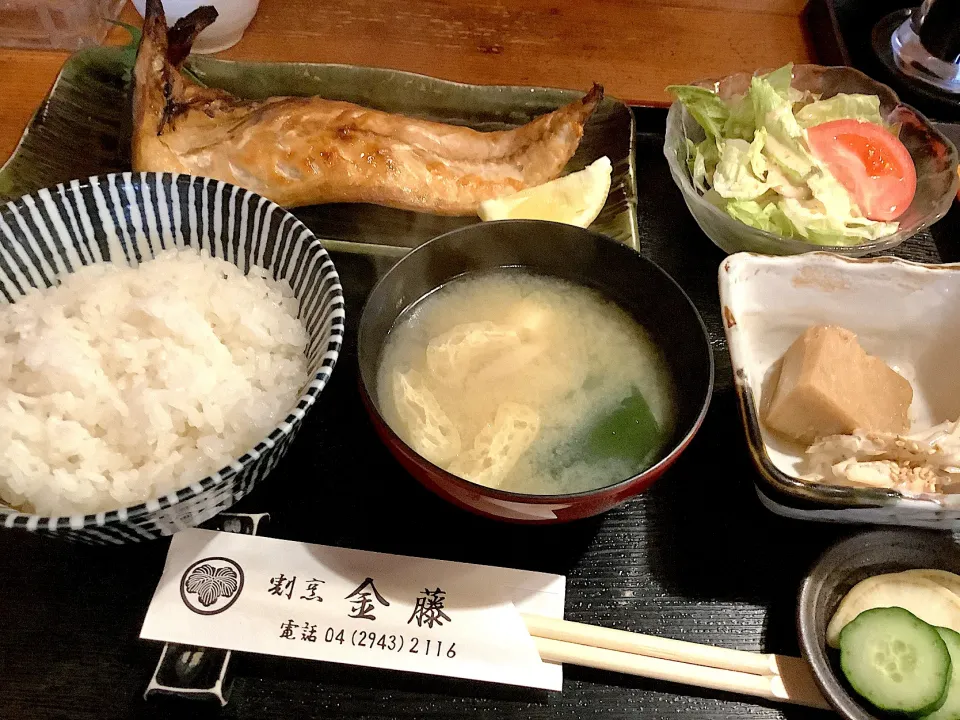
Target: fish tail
[
  {"x": 181, "y": 36},
  {"x": 580, "y": 111},
  {"x": 155, "y": 23},
  {"x": 175, "y": 43},
  {"x": 158, "y": 85},
  {"x": 575, "y": 113},
  {"x": 592, "y": 98}
]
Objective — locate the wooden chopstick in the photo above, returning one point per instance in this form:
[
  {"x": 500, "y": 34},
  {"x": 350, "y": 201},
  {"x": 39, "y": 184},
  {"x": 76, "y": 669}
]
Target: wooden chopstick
[
  {"x": 773, "y": 677},
  {"x": 650, "y": 645}
]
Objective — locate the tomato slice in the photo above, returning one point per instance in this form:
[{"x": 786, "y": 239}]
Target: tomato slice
[{"x": 872, "y": 164}]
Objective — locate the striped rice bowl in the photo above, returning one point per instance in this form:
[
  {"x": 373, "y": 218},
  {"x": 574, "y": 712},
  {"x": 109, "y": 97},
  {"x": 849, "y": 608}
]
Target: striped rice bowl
[{"x": 164, "y": 336}]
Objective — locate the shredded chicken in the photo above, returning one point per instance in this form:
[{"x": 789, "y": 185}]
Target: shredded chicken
[{"x": 921, "y": 462}]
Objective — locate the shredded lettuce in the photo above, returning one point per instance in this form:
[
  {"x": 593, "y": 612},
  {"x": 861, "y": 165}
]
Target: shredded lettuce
[
  {"x": 734, "y": 178},
  {"x": 780, "y": 80},
  {"x": 768, "y": 216},
  {"x": 758, "y": 161},
  {"x": 841, "y": 107},
  {"x": 702, "y": 161},
  {"x": 740, "y": 122},
  {"x": 691, "y": 148},
  {"x": 705, "y": 164},
  {"x": 834, "y": 198},
  {"x": 755, "y": 163},
  {"x": 705, "y": 106},
  {"x": 822, "y": 229}
]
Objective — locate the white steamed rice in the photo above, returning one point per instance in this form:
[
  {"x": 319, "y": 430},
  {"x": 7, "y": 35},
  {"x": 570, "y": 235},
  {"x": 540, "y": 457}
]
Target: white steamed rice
[{"x": 123, "y": 384}]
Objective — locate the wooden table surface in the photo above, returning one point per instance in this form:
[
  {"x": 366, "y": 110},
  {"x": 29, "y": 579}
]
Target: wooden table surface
[{"x": 634, "y": 47}]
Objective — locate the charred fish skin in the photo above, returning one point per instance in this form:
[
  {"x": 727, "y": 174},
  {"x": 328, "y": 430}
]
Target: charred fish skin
[{"x": 306, "y": 151}]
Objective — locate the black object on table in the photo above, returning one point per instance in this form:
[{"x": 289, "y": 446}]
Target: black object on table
[
  {"x": 697, "y": 557},
  {"x": 857, "y": 33}
]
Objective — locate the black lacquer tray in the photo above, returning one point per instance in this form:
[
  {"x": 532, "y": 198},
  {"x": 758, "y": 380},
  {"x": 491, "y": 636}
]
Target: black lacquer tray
[{"x": 697, "y": 557}]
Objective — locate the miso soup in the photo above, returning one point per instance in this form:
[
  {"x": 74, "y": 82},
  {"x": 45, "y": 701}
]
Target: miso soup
[{"x": 526, "y": 383}]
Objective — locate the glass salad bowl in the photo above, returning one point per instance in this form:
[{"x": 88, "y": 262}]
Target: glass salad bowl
[{"x": 934, "y": 157}]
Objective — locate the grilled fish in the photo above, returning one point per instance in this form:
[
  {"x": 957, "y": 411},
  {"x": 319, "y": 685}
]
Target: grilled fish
[{"x": 308, "y": 150}]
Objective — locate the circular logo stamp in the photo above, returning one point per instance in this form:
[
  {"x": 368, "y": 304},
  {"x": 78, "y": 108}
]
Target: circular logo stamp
[{"x": 211, "y": 585}]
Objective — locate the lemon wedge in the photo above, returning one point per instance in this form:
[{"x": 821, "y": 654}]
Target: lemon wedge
[{"x": 574, "y": 199}]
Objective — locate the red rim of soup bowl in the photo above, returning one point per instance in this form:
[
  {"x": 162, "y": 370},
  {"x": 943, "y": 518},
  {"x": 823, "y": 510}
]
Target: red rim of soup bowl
[{"x": 509, "y": 506}]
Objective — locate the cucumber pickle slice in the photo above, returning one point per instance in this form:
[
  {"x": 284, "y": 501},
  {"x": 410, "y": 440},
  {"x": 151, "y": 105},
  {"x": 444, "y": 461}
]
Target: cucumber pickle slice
[
  {"x": 950, "y": 710},
  {"x": 896, "y": 661}
]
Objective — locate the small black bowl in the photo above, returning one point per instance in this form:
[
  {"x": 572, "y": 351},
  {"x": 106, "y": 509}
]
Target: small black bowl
[{"x": 836, "y": 572}]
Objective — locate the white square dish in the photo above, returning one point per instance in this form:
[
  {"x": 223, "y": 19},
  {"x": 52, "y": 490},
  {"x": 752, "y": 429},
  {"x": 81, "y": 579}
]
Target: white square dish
[{"x": 905, "y": 313}]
